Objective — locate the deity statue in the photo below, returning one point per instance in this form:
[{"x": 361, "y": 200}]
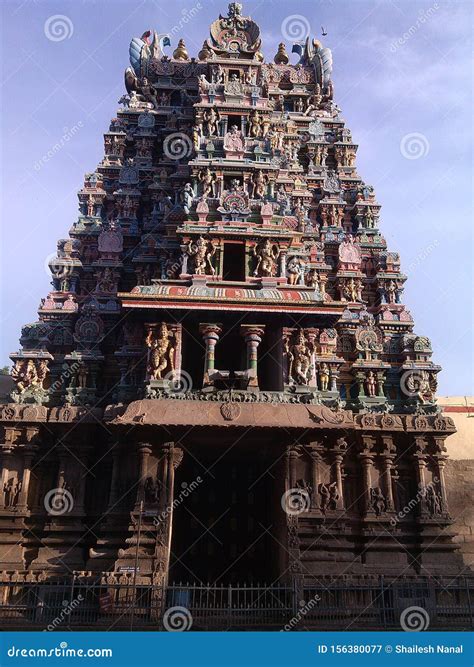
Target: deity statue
[
  {"x": 27, "y": 373},
  {"x": 151, "y": 491},
  {"x": 255, "y": 124},
  {"x": 81, "y": 375},
  {"x": 300, "y": 353},
  {"x": 323, "y": 373},
  {"x": 161, "y": 355},
  {"x": 197, "y": 134},
  {"x": 234, "y": 87},
  {"x": 208, "y": 180},
  {"x": 433, "y": 501},
  {"x": 258, "y": 185},
  {"x": 391, "y": 290},
  {"x": 267, "y": 253},
  {"x": 295, "y": 268},
  {"x": 371, "y": 384},
  {"x": 187, "y": 197},
  {"x": 313, "y": 102},
  {"x": 211, "y": 119},
  {"x": 202, "y": 252},
  {"x": 149, "y": 93},
  {"x": 378, "y": 501},
  {"x": 284, "y": 201},
  {"x": 11, "y": 492},
  {"x": 233, "y": 140}
]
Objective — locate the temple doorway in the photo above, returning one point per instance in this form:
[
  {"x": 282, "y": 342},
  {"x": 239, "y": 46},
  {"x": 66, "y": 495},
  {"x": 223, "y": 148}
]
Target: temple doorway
[{"x": 227, "y": 529}]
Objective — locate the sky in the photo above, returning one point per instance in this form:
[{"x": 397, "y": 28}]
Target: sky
[{"x": 402, "y": 76}]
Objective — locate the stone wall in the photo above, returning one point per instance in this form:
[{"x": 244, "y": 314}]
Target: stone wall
[{"x": 460, "y": 488}]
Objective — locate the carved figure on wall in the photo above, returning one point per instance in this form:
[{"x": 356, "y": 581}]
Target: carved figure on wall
[
  {"x": 267, "y": 254},
  {"x": 211, "y": 119},
  {"x": 27, "y": 373},
  {"x": 371, "y": 384},
  {"x": 296, "y": 267},
  {"x": 202, "y": 252},
  {"x": 433, "y": 501},
  {"x": 233, "y": 140},
  {"x": 148, "y": 92},
  {"x": 208, "y": 180},
  {"x": 11, "y": 492},
  {"x": 377, "y": 500},
  {"x": 255, "y": 124},
  {"x": 300, "y": 354},
  {"x": 323, "y": 374},
  {"x": 161, "y": 355},
  {"x": 151, "y": 490},
  {"x": 258, "y": 185}
]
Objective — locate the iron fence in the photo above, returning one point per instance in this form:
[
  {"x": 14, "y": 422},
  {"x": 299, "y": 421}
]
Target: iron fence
[{"x": 333, "y": 604}]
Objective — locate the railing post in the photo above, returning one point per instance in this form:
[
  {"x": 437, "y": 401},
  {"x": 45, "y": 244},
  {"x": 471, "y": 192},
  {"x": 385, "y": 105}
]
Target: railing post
[
  {"x": 229, "y": 606},
  {"x": 382, "y": 593},
  {"x": 471, "y": 616}
]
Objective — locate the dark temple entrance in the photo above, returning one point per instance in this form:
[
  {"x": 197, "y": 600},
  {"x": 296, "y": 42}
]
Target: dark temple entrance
[{"x": 227, "y": 529}]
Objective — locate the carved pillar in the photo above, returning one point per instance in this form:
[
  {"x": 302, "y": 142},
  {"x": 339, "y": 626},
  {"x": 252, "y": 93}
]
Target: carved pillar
[
  {"x": 440, "y": 460},
  {"x": 366, "y": 459},
  {"x": 419, "y": 456},
  {"x": 293, "y": 453},
  {"x": 25, "y": 481},
  {"x": 144, "y": 451},
  {"x": 333, "y": 376},
  {"x": 315, "y": 450},
  {"x": 210, "y": 334},
  {"x": 339, "y": 451},
  {"x": 5, "y": 455},
  {"x": 253, "y": 335},
  {"x": 388, "y": 455},
  {"x": 283, "y": 263}
]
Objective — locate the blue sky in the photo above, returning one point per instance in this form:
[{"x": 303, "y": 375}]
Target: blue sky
[{"x": 401, "y": 68}]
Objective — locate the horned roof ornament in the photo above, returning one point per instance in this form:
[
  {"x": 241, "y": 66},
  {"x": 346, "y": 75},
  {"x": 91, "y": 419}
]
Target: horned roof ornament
[
  {"x": 234, "y": 35},
  {"x": 312, "y": 52}
]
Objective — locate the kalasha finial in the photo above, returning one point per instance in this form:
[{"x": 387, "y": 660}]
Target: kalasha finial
[
  {"x": 281, "y": 57},
  {"x": 180, "y": 53},
  {"x": 205, "y": 53}
]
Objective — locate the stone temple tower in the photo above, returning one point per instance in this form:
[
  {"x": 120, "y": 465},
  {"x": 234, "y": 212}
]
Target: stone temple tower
[{"x": 224, "y": 384}]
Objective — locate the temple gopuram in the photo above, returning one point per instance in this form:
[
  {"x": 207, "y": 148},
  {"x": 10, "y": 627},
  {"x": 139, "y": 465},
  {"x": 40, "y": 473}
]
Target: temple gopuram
[{"x": 224, "y": 386}]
